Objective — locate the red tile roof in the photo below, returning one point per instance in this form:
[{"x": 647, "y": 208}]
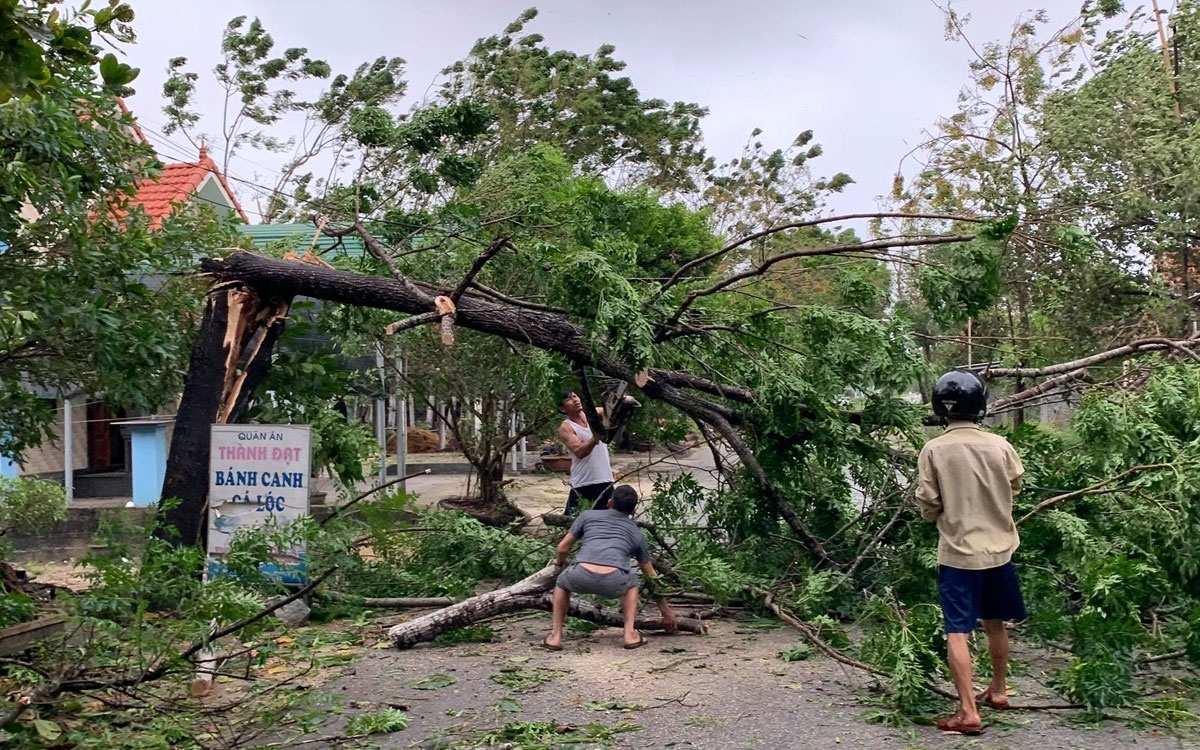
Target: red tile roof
[
  {"x": 176, "y": 185},
  {"x": 137, "y": 129}
]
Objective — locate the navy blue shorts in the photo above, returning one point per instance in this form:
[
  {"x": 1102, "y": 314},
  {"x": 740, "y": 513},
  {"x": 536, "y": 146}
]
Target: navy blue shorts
[{"x": 972, "y": 595}]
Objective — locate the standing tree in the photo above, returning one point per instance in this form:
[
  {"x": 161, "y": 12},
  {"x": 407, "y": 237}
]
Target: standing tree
[
  {"x": 259, "y": 96},
  {"x": 1054, "y": 287},
  {"x": 1125, "y": 135}
]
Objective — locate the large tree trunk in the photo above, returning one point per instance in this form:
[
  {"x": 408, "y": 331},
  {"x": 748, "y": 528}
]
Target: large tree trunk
[
  {"x": 529, "y": 593},
  {"x": 187, "y": 463},
  {"x": 237, "y": 324}
]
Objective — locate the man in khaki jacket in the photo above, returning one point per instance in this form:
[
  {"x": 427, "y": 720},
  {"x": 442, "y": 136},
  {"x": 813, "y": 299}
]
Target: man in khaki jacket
[{"x": 967, "y": 480}]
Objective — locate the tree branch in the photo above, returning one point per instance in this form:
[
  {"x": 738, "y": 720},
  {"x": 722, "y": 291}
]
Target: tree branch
[
  {"x": 679, "y": 273},
  {"x": 363, "y": 496},
  {"x": 1016, "y": 399},
  {"x": 376, "y": 248},
  {"x": 1092, "y": 490},
  {"x": 811, "y": 253},
  {"x": 695, "y": 382},
  {"x": 500, "y": 297},
  {"x": 488, "y": 253},
  {"x": 1134, "y": 347},
  {"x": 414, "y": 321}
]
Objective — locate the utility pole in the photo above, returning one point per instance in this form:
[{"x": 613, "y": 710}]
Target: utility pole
[{"x": 1166, "y": 53}]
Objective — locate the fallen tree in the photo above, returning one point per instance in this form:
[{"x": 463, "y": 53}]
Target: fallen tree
[
  {"x": 528, "y": 593},
  {"x": 722, "y": 407},
  {"x": 549, "y": 331}
]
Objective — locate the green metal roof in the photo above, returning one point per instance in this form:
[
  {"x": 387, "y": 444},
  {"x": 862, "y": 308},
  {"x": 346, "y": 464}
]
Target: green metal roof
[{"x": 300, "y": 236}]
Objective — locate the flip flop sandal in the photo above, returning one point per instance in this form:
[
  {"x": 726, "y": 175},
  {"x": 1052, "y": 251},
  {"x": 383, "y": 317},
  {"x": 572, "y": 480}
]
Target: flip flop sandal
[
  {"x": 550, "y": 647},
  {"x": 998, "y": 702},
  {"x": 957, "y": 725},
  {"x": 641, "y": 641}
]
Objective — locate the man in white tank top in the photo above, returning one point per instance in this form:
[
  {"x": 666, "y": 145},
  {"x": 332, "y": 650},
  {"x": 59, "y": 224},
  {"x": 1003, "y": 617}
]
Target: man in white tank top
[{"x": 591, "y": 472}]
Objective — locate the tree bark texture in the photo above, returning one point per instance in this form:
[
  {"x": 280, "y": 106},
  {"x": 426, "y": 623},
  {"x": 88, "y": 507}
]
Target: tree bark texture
[
  {"x": 238, "y": 331},
  {"x": 468, "y": 611},
  {"x": 529, "y": 593},
  {"x": 187, "y": 463}
]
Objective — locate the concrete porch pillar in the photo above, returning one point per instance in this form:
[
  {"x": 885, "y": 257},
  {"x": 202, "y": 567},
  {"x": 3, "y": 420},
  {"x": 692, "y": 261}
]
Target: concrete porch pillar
[{"x": 148, "y": 458}]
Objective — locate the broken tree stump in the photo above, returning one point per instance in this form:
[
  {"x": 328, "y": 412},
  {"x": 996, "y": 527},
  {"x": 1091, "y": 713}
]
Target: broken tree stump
[{"x": 529, "y": 593}]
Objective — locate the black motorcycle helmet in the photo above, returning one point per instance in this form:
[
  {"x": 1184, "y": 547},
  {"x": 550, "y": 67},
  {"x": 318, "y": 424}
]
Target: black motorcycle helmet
[{"x": 960, "y": 395}]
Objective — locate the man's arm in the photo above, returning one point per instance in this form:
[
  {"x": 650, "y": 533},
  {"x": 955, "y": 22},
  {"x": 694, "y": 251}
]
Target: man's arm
[
  {"x": 563, "y": 549},
  {"x": 578, "y": 447},
  {"x": 669, "y": 618},
  {"x": 928, "y": 496}
]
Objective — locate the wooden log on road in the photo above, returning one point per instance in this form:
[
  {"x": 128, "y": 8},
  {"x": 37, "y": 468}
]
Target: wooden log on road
[
  {"x": 469, "y": 611},
  {"x": 529, "y": 593},
  {"x": 609, "y": 616}
]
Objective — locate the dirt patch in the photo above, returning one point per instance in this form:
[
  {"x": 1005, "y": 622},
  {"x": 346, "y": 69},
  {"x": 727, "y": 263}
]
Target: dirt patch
[
  {"x": 489, "y": 515},
  {"x": 67, "y": 575}
]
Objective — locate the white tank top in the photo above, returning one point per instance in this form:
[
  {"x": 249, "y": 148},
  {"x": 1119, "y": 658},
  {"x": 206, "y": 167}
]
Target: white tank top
[{"x": 595, "y": 468}]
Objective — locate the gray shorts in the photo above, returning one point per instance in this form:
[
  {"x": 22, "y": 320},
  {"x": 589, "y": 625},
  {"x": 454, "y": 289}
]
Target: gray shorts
[{"x": 612, "y": 585}]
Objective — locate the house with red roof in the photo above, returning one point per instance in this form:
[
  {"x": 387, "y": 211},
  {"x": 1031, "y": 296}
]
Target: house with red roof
[
  {"x": 93, "y": 453},
  {"x": 184, "y": 183}
]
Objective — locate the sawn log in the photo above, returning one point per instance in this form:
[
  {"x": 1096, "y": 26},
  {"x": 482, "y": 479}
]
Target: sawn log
[{"x": 529, "y": 593}]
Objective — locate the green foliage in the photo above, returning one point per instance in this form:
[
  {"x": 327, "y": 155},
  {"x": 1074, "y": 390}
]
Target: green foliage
[
  {"x": 308, "y": 383},
  {"x": 432, "y": 682},
  {"x": 482, "y": 633},
  {"x": 576, "y": 102},
  {"x": 469, "y": 552},
  {"x": 371, "y": 126},
  {"x": 965, "y": 283},
  {"x": 909, "y": 645},
  {"x": 802, "y": 651},
  {"x": 384, "y": 721},
  {"x": 523, "y": 679},
  {"x": 349, "y": 115},
  {"x": 15, "y": 609},
  {"x": 999, "y": 230},
  {"x": 766, "y": 187},
  {"x": 41, "y": 45},
  {"x": 545, "y": 735},
  {"x": 140, "y": 611},
  {"x": 31, "y": 506},
  {"x": 1090, "y": 166},
  {"x": 421, "y": 553}
]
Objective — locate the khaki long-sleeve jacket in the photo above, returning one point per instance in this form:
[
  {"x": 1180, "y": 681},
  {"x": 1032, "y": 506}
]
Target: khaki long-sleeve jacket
[{"x": 967, "y": 480}]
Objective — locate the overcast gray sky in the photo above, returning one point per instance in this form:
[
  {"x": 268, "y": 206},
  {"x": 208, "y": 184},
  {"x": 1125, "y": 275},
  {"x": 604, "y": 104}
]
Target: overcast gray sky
[{"x": 866, "y": 75}]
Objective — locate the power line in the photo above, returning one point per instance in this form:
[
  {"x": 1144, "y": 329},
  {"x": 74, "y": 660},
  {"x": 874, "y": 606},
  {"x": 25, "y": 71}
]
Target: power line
[{"x": 235, "y": 155}]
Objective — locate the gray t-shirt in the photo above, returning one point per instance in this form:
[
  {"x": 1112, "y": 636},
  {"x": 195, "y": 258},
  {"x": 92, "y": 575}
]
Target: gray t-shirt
[{"x": 609, "y": 537}]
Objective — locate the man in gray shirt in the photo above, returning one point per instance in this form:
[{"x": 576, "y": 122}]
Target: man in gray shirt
[{"x": 610, "y": 540}]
